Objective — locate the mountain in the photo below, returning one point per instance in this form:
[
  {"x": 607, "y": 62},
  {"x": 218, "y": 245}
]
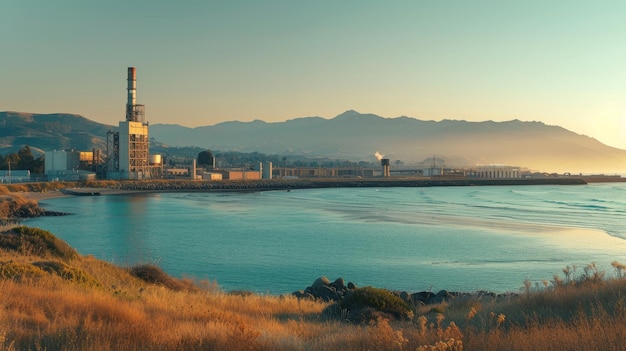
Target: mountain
[
  {"x": 350, "y": 135},
  {"x": 358, "y": 136},
  {"x": 56, "y": 131}
]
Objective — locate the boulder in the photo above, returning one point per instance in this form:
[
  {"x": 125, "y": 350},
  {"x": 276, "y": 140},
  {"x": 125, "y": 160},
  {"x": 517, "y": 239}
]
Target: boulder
[
  {"x": 319, "y": 282},
  {"x": 339, "y": 283},
  {"x": 327, "y": 293},
  {"x": 422, "y": 296},
  {"x": 405, "y": 296}
]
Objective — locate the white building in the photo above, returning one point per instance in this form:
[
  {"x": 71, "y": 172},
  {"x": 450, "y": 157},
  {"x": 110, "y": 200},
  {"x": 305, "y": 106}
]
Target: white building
[
  {"x": 495, "y": 171},
  {"x": 133, "y": 150},
  {"x": 66, "y": 165}
]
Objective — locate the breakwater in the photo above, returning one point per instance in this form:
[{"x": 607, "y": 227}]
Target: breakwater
[{"x": 289, "y": 184}]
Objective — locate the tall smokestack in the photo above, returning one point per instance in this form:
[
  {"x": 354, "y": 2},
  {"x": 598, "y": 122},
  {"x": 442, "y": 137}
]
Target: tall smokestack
[
  {"x": 385, "y": 167},
  {"x": 132, "y": 95}
]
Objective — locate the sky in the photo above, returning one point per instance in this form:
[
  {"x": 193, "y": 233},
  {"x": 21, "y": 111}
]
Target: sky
[{"x": 200, "y": 63}]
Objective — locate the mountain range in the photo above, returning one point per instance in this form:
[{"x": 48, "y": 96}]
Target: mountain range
[
  {"x": 55, "y": 131},
  {"x": 358, "y": 136},
  {"x": 350, "y": 135}
]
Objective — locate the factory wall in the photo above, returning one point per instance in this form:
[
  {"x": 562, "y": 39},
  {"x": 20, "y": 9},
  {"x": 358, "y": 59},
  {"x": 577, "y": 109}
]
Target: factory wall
[
  {"x": 243, "y": 175},
  {"x": 495, "y": 171},
  {"x": 61, "y": 160},
  {"x": 134, "y": 156},
  {"x": 14, "y": 176}
]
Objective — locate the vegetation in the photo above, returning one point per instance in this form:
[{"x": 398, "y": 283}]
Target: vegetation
[
  {"x": 13, "y": 205},
  {"x": 53, "y": 298},
  {"x": 34, "y": 241},
  {"x": 56, "y": 299},
  {"x": 24, "y": 160},
  {"x": 368, "y": 299}
]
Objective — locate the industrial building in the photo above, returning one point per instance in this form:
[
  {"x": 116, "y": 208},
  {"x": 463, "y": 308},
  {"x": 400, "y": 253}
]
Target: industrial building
[
  {"x": 70, "y": 164},
  {"x": 321, "y": 172},
  {"x": 128, "y": 149},
  {"x": 261, "y": 170},
  {"x": 14, "y": 176},
  {"x": 495, "y": 171}
]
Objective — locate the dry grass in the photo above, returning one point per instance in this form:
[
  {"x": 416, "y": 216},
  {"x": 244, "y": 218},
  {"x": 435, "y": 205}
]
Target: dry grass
[
  {"x": 52, "y": 300},
  {"x": 13, "y": 204}
]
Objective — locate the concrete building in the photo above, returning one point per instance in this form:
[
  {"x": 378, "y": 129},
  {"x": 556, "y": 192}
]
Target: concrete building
[
  {"x": 321, "y": 172},
  {"x": 69, "y": 165},
  {"x": 211, "y": 176},
  {"x": 242, "y": 174},
  {"x": 495, "y": 171},
  {"x": 266, "y": 170}
]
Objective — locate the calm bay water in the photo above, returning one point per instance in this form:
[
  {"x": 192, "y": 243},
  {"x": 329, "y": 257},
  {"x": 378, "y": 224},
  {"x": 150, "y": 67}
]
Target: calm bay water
[{"x": 455, "y": 238}]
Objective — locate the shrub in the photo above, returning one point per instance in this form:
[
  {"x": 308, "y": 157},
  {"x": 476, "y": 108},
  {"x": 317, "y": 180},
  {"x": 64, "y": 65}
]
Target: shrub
[
  {"x": 155, "y": 275},
  {"x": 68, "y": 273},
  {"x": 35, "y": 241},
  {"x": 362, "y": 299},
  {"x": 15, "y": 206},
  {"x": 17, "y": 271}
]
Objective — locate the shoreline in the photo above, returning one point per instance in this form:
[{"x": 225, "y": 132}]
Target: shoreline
[
  {"x": 151, "y": 186},
  {"x": 147, "y": 187}
]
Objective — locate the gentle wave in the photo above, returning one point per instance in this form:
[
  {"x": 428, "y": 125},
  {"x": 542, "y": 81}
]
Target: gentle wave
[{"x": 464, "y": 238}]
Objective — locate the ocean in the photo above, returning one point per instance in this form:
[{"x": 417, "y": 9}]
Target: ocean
[{"x": 413, "y": 239}]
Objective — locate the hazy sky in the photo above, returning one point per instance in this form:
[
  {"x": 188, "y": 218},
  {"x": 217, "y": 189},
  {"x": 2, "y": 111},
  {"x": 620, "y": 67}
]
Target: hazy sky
[{"x": 204, "y": 62}]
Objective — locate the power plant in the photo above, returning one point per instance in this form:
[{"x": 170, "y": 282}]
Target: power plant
[
  {"x": 127, "y": 156},
  {"x": 128, "y": 149}
]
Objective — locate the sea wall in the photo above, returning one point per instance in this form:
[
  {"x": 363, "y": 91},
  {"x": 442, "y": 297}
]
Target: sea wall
[{"x": 289, "y": 184}]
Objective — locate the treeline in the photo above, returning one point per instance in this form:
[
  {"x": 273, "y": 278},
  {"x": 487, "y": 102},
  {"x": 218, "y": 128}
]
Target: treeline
[
  {"x": 23, "y": 160},
  {"x": 239, "y": 159},
  {"x": 225, "y": 159}
]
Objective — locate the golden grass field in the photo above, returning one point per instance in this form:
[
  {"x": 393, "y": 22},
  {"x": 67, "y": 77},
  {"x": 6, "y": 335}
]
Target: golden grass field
[{"x": 53, "y": 298}]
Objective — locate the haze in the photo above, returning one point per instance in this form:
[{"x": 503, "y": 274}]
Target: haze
[{"x": 204, "y": 62}]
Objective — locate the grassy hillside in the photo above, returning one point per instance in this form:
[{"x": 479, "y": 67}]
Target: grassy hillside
[
  {"x": 53, "y": 298},
  {"x": 56, "y": 299}
]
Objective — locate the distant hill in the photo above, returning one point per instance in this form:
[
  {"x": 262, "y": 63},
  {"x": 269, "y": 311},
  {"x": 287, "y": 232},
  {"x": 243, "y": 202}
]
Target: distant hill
[
  {"x": 55, "y": 131},
  {"x": 350, "y": 135},
  {"x": 358, "y": 136}
]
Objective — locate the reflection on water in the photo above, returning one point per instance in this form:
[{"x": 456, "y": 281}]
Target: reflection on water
[{"x": 456, "y": 238}]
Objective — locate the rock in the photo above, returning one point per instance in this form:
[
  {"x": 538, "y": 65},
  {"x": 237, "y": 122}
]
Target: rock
[
  {"x": 327, "y": 293},
  {"x": 422, "y": 296},
  {"x": 351, "y": 286},
  {"x": 442, "y": 293},
  {"x": 339, "y": 283},
  {"x": 319, "y": 282}
]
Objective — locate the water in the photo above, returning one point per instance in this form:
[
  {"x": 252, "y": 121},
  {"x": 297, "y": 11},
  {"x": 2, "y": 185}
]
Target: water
[{"x": 455, "y": 238}]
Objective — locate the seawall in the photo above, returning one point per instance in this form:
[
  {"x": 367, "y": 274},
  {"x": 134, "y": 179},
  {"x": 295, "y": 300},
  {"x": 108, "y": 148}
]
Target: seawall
[{"x": 289, "y": 184}]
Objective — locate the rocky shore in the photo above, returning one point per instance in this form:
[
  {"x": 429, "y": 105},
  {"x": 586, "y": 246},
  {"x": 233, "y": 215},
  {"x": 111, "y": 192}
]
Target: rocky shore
[{"x": 337, "y": 290}]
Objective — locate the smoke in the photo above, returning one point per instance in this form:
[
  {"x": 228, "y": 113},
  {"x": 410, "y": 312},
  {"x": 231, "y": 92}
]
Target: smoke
[{"x": 379, "y": 156}]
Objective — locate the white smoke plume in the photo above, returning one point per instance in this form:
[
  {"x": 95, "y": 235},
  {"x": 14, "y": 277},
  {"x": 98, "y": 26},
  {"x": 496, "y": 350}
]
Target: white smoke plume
[{"x": 379, "y": 156}]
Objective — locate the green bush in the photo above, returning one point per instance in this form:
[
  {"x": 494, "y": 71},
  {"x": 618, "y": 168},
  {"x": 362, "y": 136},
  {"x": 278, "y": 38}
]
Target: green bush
[
  {"x": 35, "y": 241},
  {"x": 378, "y": 299},
  {"x": 17, "y": 271},
  {"x": 68, "y": 273},
  {"x": 155, "y": 275}
]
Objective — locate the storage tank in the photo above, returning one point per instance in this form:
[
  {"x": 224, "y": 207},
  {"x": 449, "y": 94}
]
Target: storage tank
[{"x": 155, "y": 160}]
